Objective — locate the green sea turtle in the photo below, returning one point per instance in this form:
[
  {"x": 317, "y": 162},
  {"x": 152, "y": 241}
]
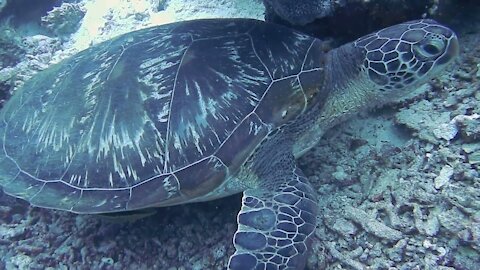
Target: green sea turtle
[{"x": 198, "y": 110}]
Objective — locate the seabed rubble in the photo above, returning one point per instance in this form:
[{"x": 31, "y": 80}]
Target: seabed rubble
[{"x": 399, "y": 187}]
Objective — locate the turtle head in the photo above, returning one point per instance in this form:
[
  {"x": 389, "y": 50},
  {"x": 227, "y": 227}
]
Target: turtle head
[
  {"x": 399, "y": 58},
  {"x": 377, "y": 69}
]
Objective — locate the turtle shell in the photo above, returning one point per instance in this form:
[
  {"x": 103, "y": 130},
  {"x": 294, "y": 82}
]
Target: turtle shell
[{"x": 159, "y": 116}]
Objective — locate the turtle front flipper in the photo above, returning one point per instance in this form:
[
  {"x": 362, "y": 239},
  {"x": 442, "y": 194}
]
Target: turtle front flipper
[{"x": 275, "y": 223}]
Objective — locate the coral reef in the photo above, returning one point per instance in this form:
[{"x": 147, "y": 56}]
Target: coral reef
[
  {"x": 12, "y": 52},
  {"x": 105, "y": 20},
  {"x": 64, "y": 19},
  {"x": 30, "y": 55}
]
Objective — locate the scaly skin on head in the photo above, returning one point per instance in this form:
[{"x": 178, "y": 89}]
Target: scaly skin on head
[{"x": 379, "y": 68}]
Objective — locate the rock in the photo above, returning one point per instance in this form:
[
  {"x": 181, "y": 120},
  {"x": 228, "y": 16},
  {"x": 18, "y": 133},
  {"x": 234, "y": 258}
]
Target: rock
[
  {"x": 350, "y": 19},
  {"x": 445, "y": 131},
  {"x": 440, "y": 267},
  {"x": 160, "y": 5},
  {"x": 29, "y": 249},
  {"x": 12, "y": 49},
  {"x": 12, "y": 232},
  {"x": 463, "y": 75},
  {"x": 466, "y": 258},
  {"x": 469, "y": 127},
  {"x": 453, "y": 220},
  {"x": 219, "y": 252},
  {"x": 106, "y": 261},
  {"x": 434, "y": 127},
  {"x": 19, "y": 261},
  {"x": 465, "y": 92},
  {"x": 426, "y": 224},
  {"x": 371, "y": 225},
  {"x": 7, "y": 73},
  {"x": 474, "y": 158},
  {"x": 65, "y": 19},
  {"x": 353, "y": 264},
  {"x": 450, "y": 101},
  {"x": 475, "y": 231},
  {"x": 444, "y": 177},
  {"x": 469, "y": 175},
  {"x": 301, "y": 12},
  {"x": 383, "y": 184},
  {"x": 344, "y": 227},
  {"x": 396, "y": 253},
  {"x": 471, "y": 147},
  {"x": 340, "y": 175},
  {"x": 428, "y": 126}
]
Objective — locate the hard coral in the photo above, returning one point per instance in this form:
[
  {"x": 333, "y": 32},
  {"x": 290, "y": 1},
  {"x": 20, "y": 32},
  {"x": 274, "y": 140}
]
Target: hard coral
[{"x": 65, "y": 19}]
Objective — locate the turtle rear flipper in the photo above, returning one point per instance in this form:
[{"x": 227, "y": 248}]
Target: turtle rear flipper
[{"x": 274, "y": 224}]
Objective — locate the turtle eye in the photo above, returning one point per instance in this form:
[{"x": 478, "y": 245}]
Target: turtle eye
[{"x": 430, "y": 48}]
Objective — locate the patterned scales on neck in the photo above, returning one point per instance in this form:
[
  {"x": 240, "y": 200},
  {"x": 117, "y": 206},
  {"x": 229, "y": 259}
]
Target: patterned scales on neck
[{"x": 198, "y": 110}]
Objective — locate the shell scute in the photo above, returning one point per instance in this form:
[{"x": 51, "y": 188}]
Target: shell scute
[
  {"x": 290, "y": 45},
  {"x": 207, "y": 175},
  {"x": 284, "y": 101},
  {"x": 102, "y": 201},
  {"x": 249, "y": 134},
  {"x": 22, "y": 185},
  {"x": 148, "y": 192},
  {"x": 65, "y": 196}
]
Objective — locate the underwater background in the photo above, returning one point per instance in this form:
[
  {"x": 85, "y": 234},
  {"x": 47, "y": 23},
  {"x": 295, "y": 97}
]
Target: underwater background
[{"x": 399, "y": 187}]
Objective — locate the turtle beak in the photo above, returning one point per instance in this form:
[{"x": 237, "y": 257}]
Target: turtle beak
[
  {"x": 454, "y": 47},
  {"x": 452, "y": 51}
]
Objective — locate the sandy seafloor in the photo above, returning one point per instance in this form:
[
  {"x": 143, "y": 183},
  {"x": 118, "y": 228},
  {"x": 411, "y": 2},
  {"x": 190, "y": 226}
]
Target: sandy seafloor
[{"x": 399, "y": 187}]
